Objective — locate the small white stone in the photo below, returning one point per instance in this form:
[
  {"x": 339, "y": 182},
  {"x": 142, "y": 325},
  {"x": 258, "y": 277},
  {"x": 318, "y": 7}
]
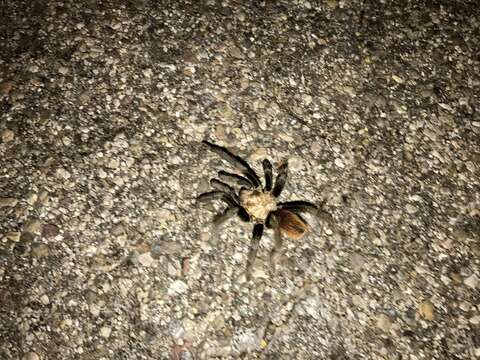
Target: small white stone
[
  {"x": 31, "y": 356},
  {"x": 339, "y": 163},
  {"x": 295, "y": 163},
  {"x": 145, "y": 259},
  {"x": 177, "y": 287},
  {"x": 307, "y": 99},
  {"x": 358, "y": 301},
  {"x": 44, "y": 299},
  {"x": 7, "y": 135},
  {"x": 31, "y": 198},
  {"x": 258, "y": 154},
  {"x": 397, "y": 79},
  {"x": 94, "y": 310},
  {"x": 384, "y": 322},
  {"x": 105, "y": 332},
  {"x": 411, "y": 209},
  {"x": 465, "y": 306},
  {"x": 63, "y": 70},
  {"x": 102, "y": 174},
  {"x": 475, "y": 320},
  {"x": 148, "y": 73},
  {"x": 471, "y": 281}
]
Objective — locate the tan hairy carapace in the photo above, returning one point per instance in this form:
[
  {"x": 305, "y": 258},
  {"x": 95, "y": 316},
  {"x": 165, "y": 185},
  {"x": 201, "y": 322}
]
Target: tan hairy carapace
[
  {"x": 257, "y": 203},
  {"x": 291, "y": 225}
]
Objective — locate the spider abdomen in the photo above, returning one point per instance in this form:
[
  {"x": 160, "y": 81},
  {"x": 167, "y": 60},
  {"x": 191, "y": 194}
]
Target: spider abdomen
[
  {"x": 257, "y": 203},
  {"x": 291, "y": 224}
]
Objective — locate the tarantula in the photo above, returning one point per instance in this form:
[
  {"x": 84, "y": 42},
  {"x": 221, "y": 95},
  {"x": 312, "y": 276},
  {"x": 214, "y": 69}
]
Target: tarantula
[{"x": 257, "y": 203}]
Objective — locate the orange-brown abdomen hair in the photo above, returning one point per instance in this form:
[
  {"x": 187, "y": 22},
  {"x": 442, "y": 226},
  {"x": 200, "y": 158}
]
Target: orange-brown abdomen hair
[{"x": 291, "y": 225}]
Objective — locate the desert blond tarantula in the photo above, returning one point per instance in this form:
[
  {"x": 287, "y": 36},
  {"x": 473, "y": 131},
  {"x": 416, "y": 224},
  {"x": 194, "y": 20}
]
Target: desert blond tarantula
[{"x": 257, "y": 203}]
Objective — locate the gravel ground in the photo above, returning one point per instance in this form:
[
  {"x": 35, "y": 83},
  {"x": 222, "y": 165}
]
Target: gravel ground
[{"x": 103, "y": 251}]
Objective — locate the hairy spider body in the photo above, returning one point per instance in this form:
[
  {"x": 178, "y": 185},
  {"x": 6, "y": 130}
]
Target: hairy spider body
[{"x": 257, "y": 203}]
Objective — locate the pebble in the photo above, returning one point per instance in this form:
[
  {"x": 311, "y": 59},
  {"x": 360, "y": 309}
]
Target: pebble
[
  {"x": 63, "y": 70},
  {"x": 339, "y": 162},
  {"x": 359, "y": 301},
  {"x": 117, "y": 230},
  {"x": 471, "y": 281},
  {"x": 307, "y": 99},
  {"x": 295, "y": 163},
  {"x": 165, "y": 248},
  {"x": 383, "y": 322},
  {"x": 236, "y": 52},
  {"x": 178, "y": 287},
  {"x": 145, "y": 259},
  {"x": 43, "y": 197},
  {"x": 31, "y": 198},
  {"x": 105, "y": 332},
  {"x": 39, "y": 250},
  {"x": 7, "y": 135},
  {"x": 397, "y": 79},
  {"x": 316, "y": 148},
  {"x": 262, "y": 123},
  {"x": 258, "y": 154},
  {"x": 357, "y": 261},
  {"x": 62, "y": 173},
  {"x": 286, "y": 137},
  {"x": 426, "y": 310},
  {"x": 102, "y": 174},
  {"x": 13, "y": 235},
  {"x": 113, "y": 163},
  {"x": 33, "y": 227},
  {"x": 50, "y": 231},
  {"x": 475, "y": 320},
  {"x": 31, "y": 356},
  {"x": 411, "y": 209},
  {"x": 8, "y": 202},
  {"x": 44, "y": 299},
  {"x": 5, "y": 88}
]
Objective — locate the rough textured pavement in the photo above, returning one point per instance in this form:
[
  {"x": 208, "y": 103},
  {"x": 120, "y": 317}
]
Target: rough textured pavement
[{"x": 103, "y": 252}]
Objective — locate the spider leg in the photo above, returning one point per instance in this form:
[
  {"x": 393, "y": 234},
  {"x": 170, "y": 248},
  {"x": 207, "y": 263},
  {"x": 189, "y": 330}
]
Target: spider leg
[
  {"x": 267, "y": 169},
  {"x": 221, "y": 186},
  {"x": 299, "y": 206},
  {"x": 235, "y": 161},
  {"x": 219, "y": 219},
  {"x": 281, "y": 179},
  {"x": 243, "y": 214},
  {"x": 218, "y": 195},
  {"x": 238, "y": 179},
  {"x": 254, "y": 244}
]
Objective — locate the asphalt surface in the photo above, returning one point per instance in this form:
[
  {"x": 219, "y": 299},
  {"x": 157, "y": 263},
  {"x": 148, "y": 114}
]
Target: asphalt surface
[{"x": 104, "y": 253}]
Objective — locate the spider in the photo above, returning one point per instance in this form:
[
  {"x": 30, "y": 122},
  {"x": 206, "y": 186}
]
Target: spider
[{"x": 257, "y": 203}]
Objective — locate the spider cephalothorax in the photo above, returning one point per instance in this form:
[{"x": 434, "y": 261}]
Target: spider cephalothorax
[{"x": 257, "y": 203}]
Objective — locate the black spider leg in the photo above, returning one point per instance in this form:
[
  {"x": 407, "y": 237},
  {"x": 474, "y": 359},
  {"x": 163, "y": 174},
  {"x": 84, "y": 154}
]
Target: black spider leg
[
  {"x": 299, "y": 206},
  {"x": 267, "y": 169},
  {"x": 233, "y": 206},
  {"x": 254, "y": 244},
  {"x": 221, "y": 218},
  {"x": 237, "y": 179},
  {"x": 236, "y": 161},
  {"x": 218, "y": 195},
  {"x": 221, "y": 186},
  {"x": 281, "y": 179}
]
